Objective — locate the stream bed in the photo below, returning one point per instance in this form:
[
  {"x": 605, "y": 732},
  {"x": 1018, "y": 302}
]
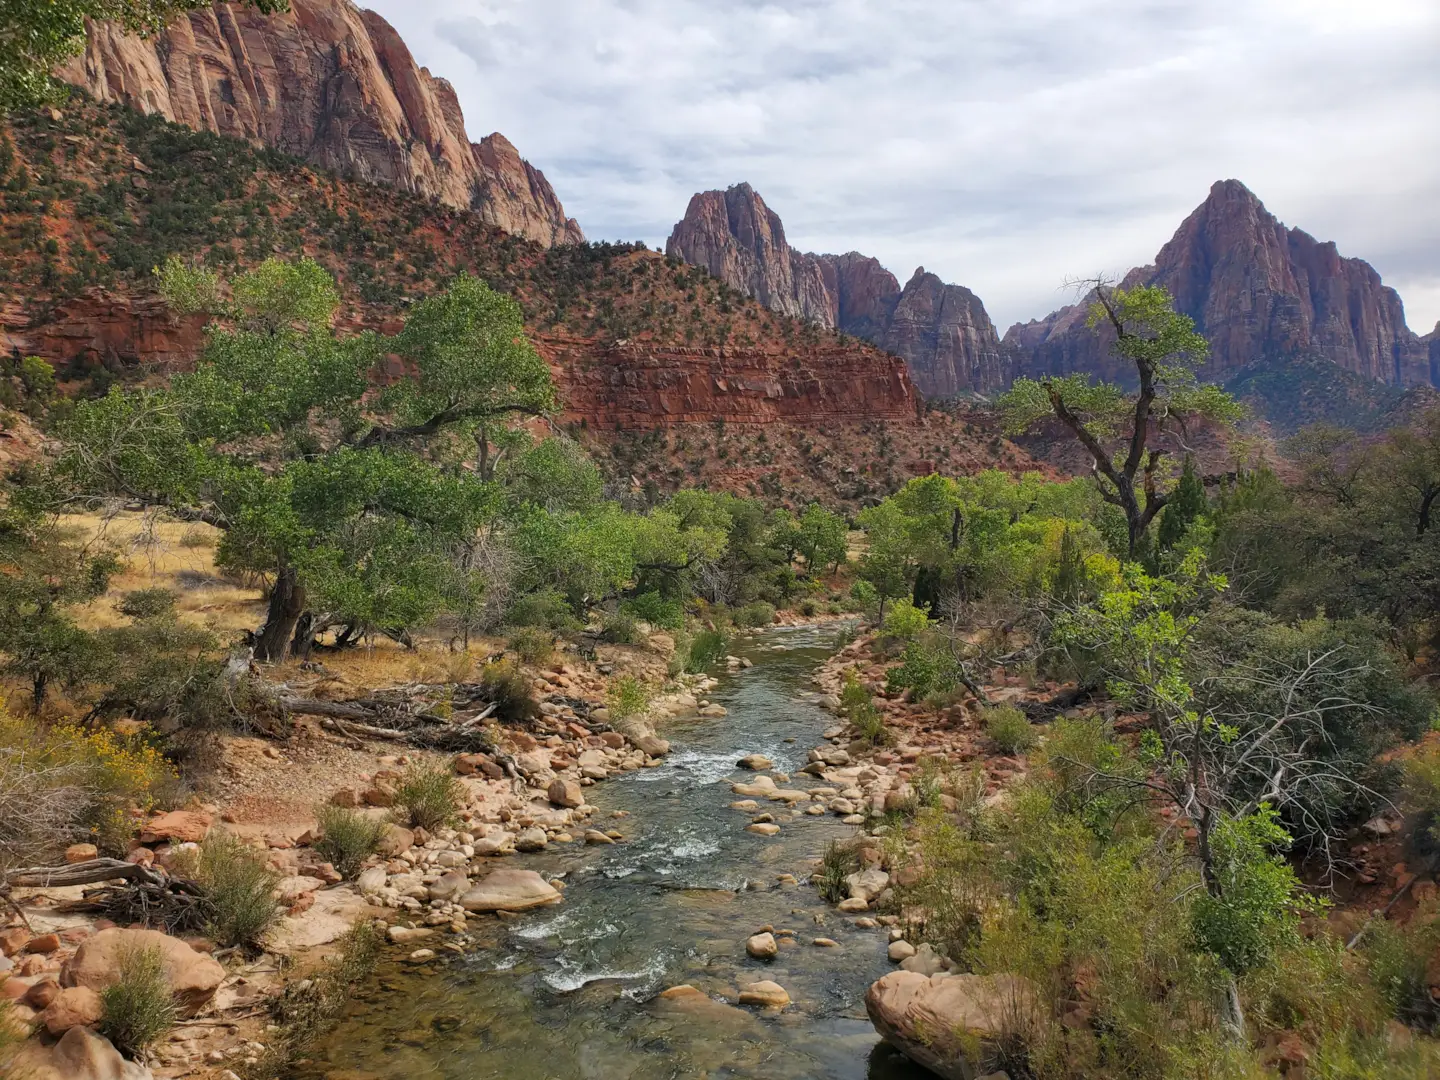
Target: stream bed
[{"x": 568, "y": 992}]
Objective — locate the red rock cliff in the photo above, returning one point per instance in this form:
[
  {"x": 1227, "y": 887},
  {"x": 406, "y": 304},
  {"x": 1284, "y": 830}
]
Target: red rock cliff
[
  {"x": 1256, "y": 290},
  {"x": 941, "y": 331},
  {"x": 332, "y": 84}
]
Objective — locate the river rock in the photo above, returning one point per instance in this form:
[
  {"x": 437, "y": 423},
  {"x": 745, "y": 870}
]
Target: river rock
[
  {"x": 926, "y": 961},
  {"x": 755, "y": 762},
  {"x": 686, "y": 1000},
  {"x": 867, "y": 884},
  {"x": 449, "y": 886},
  {"x": 789, "y": 796},
  {"x": 595, "y": 836},
  {"x": 75, "y": 1006},
  {"x": 900, "y": 950},
  {"x": 745, "y": 804},
  {"x": 767, "y": 994},
  {"x": 408, "y": 935},
  {"x": 652, "y": 745},
  {"x": 79, "y": 1055},
  {"x": 763, "y": 828},
  {"x": 531, "y": 840},
  {"x": 194, "y": 977},
  {"x": 565, "y": 793},
  {"x": 371, "y": 881},
  {"x": 499, "y": 844},
  {"x": 510, "y": 890},
  {"x": 762, "y": 785},
  {"x": 940, "y": 1021},
  {"x": 853, "y": 905},
  {"x": 714, "y": 712},
  {"x": 762, "y": 946}
]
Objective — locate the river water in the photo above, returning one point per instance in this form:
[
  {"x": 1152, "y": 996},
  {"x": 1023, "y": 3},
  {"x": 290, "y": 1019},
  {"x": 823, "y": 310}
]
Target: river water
[{"x": 567, "y": 993}]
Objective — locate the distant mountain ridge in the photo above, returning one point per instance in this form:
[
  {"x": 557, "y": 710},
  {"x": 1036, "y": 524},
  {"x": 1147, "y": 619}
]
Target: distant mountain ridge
[
  {"x": 941, "y": 331},
  {"x": 330, "y": 83}
]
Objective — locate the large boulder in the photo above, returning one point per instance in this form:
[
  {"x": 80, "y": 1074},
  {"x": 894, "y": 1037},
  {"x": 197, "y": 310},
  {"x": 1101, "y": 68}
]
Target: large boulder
[
  {"x": 177, "y": 827},
  {"x": 510, "y": 890},
  {"x": 940, "y": 1021},
  {"x": 194, "y": 977},
  {"x": 78, "y": 1006},
  {"x": 565, "y": 793},
  {"x": 79, "y": 1055}
]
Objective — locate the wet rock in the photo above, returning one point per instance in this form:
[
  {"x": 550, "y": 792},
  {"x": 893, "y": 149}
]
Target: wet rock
[
  {"x": 867, "y": 884},
  {"x": 500, "y": 844},
  {"x": 945, "y": 1022},
  {"x": 755, "y": 762},
  {"x": 510, "y": 890},
  {"x": 761, "y": 786},
  {"x": 652, "y": 745},
  {"x": 194, "y": 977},
  {"x": 762, "y": 946},
  {"x": 745, "y": 804},
  {"x": 408, "y": 935},
  {"x": 925, "y": 961},
  {"x": 826, "y": 943},
  {"x": 763, "y": 828},
  {"x": 531, "y": 840},
  {"x": 714, "y": 712},
  {"x": 789, "y": 796},
  {"x": 766, "y": 994},
  {"x": 853, "y": 905},
  {"x": 450, "y": 885},
  {"x": 900, "y": 950},
  {"x": 595, "y": 836}
]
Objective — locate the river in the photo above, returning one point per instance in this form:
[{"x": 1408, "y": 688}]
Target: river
[{"x": 567, "y": 993}]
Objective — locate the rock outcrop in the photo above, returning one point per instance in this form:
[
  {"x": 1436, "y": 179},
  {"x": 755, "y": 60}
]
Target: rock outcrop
[
  {"x": 941, "y": 331},
  {"x": 1257, "y": 290},
  {"x": 330, "y": 83}
]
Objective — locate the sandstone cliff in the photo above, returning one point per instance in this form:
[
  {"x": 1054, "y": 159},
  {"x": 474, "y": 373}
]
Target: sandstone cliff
[
  {"x": 1258, "y": 291},
  {"x": 329, "y": 83},
  {"x": 941, "y": 331}
]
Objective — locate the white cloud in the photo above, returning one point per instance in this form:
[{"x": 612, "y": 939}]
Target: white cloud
[{"x": 1004, "y": 144}]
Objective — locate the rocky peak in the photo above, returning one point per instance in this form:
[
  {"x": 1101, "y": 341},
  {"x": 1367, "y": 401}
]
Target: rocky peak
[
  {"x": 1258, "y": 291},
  {"x": 328, "y": 82},
  {"x": 942, "y": 331}
]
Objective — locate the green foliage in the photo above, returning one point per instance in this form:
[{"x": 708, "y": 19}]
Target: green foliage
[
  {"x": 533, "y": 644},
  {"x": 1010, "y": 729},
  {"x": 1187, "y": 504},
  {"x": 655, "y": 609},
  {"x": 620, "y": 628},
  {"x": 347, "y": 838},
  {"x": 546, "y": 608},
  {"x": 905, "y": 621},
  {"x": 626, "y": 697},
  {"x": 707, "y": 648},
  {"x": 1255, "y": 902},
  {"x": 1397, "y": 958},
  {"x": 820, "y": 537},
  {"x": 240, "y": 890},
  {"x": 838, "y": 861},
  {"x": 429, "y": 796},
  {"x": 756, "y": 614},
  {"x": 857, "y": 706},
  {"x": 510, "y": 689},
  {"x": 927, "y": 668},
  {"x": 1422, "y": 789},
  {"x": 139, "y": 1008}
]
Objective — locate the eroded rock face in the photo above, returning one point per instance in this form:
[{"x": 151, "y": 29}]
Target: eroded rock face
[
  {"x": 329, "y": 83},
  {"x": 1255, "y": 289},
  {"x": 942, "y": 331}
]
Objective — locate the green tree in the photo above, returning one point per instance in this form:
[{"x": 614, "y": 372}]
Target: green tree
[
  {"x": 36, "y": 36},
  {"x": 1117, "y": 429},
  {"x": 821, "y": 538},
  {"x": 1186, "y": 504}
]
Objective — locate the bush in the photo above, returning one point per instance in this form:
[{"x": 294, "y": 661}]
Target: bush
[
  {"x": 511, "y": 690},
  {"x": 348, "y": 838},
  {"x": 627, "y": 696},
  {"x": 1396, "y": 958},
  {"x": 756, "y": 614},
  {"x": 139, "y": 1007},
  {"x": 863, "y": 595},
  {"x": 656, "y": 610},
  {"x": 925, "y": 670},
  {"x": 533, "y": 644},
  {"x": 240, "y": 888},
  {"x": 147, "y": 604},
  {"x": 429, "y": 796},
  {"x": 809, "y": 607},
  {"x": 709, "y": 647},
  {"x": 905, "y": 621},
  {"x": 546, "y": 609},
  {"x": 838, "y": 862},
  {"x": 620, "y": 628},
  {"x": 1010, "y": 729}
]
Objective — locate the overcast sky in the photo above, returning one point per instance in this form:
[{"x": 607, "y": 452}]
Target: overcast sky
[{"x": 1004, "y": 144}]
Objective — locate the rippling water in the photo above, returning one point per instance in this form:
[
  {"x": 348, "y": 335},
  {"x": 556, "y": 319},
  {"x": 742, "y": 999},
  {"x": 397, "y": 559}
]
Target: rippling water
[{"x": 566, "y": 993}]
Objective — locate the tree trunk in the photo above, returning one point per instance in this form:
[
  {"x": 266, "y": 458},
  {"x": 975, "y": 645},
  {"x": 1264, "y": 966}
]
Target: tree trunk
[
  {"x": 306, "y": 628},
  {"x": 38, "y": 687},
  {"x": 287, "y": 604}
]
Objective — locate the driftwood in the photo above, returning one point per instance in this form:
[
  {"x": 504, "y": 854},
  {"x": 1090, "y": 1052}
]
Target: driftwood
[
  {"x": 396, "y": 716},
  {"x": 85, "y": 873}
]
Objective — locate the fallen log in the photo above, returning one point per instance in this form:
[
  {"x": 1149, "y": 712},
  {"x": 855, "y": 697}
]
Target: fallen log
[{"x": 85, "y": 873}]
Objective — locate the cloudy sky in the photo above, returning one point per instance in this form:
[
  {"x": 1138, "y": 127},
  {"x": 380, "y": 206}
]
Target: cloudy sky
[{"x": 1004, "y": 144}]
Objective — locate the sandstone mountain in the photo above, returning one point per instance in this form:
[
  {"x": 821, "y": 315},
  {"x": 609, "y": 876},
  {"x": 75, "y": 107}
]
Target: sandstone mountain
[
  {"x": 941, "y": 331},
  {"x": 329, "y": 83},
  {"x": 1261, "y": 293}
]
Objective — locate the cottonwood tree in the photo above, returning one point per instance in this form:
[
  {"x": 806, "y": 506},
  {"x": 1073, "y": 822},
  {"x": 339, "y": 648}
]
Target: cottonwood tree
[
  {"x": 1118, "y": 429},
  {"x": 341, "y": 494}
]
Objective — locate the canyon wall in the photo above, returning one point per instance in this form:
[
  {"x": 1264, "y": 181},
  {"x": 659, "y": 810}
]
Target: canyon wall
[{"x": 329, "y": 83}]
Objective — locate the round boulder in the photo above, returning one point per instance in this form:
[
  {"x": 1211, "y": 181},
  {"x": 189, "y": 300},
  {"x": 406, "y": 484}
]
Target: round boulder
[{"x": 510, "y": 890}]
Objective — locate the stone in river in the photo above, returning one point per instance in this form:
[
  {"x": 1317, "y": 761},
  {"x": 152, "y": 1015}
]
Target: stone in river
[
  {"x": 744, "y": 804},
  {"x": 761, "y": 785},
  {"x": 531, "y": 840},
  {"x": 756, "y": 762},
  {"x": 767, "y": 994},
  {"x": 901, "y": 950},
  {"x": 854, "y": 905},
  {"x": 942, "y": 1021},
  {"x": 762, "y": 946},
  {"x": 764, "y": 828},
  {"x": 595, "y": 836},
  {"x": 510, "y": 890}
]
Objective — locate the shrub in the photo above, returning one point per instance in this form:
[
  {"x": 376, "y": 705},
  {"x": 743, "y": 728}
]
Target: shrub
[
  {"x": 240, "y": 888},
  {"x": 139, "y": 1007},
  {"x": 546, "y": 608},
  {"x": 620, "y": 628},
  {"x": 533, "y": 644},
  {"x": 429, "y": 796},
  {"x": 147, "y": 604},
  {"x": 1010, "y": 729},
  {"x": 708, "y": 648},
  {"x": 758, "y": 613},
  {"x": 627, "y": 696},
  {"x": 863, "y": 595},
  {"x": 1422, "y": 789},
  {"x": 809, "y": 607},
  {"x": 838, "y": 862},
  {"x": 656, "y": 610},
  {"x": 511, "y": 690},
  {"x": 348, "y": 838},
  {"x": 925, "y": 670},
  {"x": 904, "y": 620},
  {"x": 1397, "y": 957}
]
